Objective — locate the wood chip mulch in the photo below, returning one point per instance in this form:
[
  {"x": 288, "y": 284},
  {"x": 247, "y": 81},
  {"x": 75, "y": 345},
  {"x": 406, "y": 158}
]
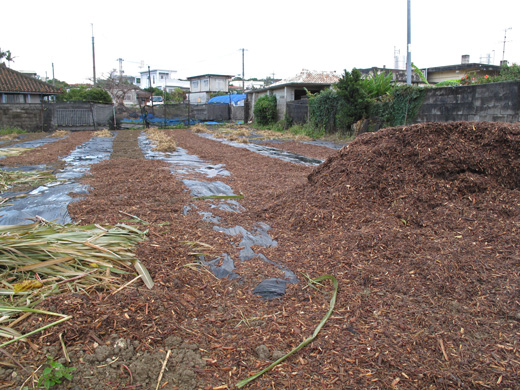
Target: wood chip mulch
[
  {"x": 420, "y": 224},
  {"x": 48, "y": 153}
]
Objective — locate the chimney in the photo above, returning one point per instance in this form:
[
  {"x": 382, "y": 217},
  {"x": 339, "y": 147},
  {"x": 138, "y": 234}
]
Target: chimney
[{"x": 465, "y": 59}]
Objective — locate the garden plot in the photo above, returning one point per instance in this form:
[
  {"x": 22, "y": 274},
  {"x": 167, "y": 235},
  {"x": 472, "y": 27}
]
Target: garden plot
[
  {"x": 220, "y": 195},
  {"x": 50, "y": 201},
  {"x": 419, "y": 224}
]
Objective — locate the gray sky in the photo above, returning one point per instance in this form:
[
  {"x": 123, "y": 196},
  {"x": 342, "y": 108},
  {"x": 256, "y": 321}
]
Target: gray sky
[{"x": 281, "y": 37}]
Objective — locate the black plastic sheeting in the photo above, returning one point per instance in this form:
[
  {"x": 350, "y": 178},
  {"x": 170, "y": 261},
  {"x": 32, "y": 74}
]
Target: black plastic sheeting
[
  {"x": 51, "y": 200},
  {"x": 185, "y": 166},
  {"x": 268, "y": 151}
]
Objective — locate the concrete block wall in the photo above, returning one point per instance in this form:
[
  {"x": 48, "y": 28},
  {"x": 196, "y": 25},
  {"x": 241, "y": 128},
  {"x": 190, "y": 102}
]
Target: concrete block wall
[
  {"x": 28, "y": 117},
  {"x": 496, "y": 102}
]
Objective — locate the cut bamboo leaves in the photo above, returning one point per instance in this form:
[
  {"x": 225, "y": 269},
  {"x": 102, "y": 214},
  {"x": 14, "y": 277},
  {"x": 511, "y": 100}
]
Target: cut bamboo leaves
[
  {"x": 47, "y": 252},
  {"x": 10, "y": 179}
]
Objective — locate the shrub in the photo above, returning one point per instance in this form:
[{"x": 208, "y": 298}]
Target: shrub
[
  {"x": 377, "y": 84},
  {"x": 407, "y": 101},
  {"x": 82, "y": 94},
  {"x": 322, "y": 110},
  {"x": 354, "y": 103},
  {"x": 265, "y": 110}
]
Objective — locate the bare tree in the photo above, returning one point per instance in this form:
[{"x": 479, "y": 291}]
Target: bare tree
[{"x": 117, "y": 86}]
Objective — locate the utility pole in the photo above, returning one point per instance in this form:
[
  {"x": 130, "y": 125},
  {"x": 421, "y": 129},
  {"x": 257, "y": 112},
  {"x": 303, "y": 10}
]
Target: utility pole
[
  {"x": 408, "y": 46},
  {"x": 150, "y": 84},
  {"x": 243, "y": 75},
  {"x": 505, "y": 40},
  {"x": 53, "y": 79},
  {"x": 93, "y": 56}
]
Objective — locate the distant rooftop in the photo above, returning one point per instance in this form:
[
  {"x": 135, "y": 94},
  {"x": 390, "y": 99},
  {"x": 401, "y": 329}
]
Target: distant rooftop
[
  {"x": 309, "y": 77},
  {"x": 16, "y": 82}
]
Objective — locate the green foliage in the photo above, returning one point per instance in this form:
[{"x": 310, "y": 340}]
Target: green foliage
[
  {"x": 407, "y": 101},
  {"x": 401, "y": 107},
  {"x": 509, "y": 72},
  {"x": 58, "y": 83},
  {"x": 7, "y": 55},
  {"x": 448, "y": 83},
  {"x": 377, "y": 84},
  {"x": 178, "y": 95},
  {"x": 354, "y": 103},
  {"x": 154, "y": 91},
  {"x": 54, "y": 373},
  {"x": 323, "y": 108},
  {"x": 306, "y": 129},
  {"x": 215, "y": 94},
  {"x": 421, "y": 74},
  {"x": 83, "y": 94},
  {"x": 11, "y": 130},
  {"x": 265, "y": 110}
]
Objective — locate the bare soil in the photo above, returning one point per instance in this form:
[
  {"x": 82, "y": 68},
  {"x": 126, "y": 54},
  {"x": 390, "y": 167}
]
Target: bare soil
[{"x": 419, "y": 224}]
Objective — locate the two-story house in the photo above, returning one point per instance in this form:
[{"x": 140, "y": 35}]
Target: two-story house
[
  {"x": 201, "y": 87},
  {"x": 162, "y": 79}
]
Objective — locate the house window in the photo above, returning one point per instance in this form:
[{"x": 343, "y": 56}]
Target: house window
[
  {"x": 153, "y": 79},
  {"x": 138, "y": 80},
  {"x": 205, "y": 84},
  {"x": 220, "y": 85},
  {"x": 195, "y": 84},
  {"x": 163, "y": 76},
  {"x": 12, "y": 98}
]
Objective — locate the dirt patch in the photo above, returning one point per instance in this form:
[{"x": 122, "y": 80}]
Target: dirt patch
[
  {"x": 126, "y": 145},
  {"x": 418, "y": 223}
]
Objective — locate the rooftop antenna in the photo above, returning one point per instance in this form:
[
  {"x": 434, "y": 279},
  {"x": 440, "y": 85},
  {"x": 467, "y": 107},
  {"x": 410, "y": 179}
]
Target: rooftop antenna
[
  {"x": 397, "y": 53},
  {"x": 120, "y": 66},
  {"x": 505, "y": 40}
]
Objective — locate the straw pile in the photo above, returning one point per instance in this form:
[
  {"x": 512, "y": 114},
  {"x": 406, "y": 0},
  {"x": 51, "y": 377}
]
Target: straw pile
[{"x": 163, "y": 142}]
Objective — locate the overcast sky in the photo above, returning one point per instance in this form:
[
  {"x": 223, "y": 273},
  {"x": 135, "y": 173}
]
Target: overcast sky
[{"x": 282, "y": 37}]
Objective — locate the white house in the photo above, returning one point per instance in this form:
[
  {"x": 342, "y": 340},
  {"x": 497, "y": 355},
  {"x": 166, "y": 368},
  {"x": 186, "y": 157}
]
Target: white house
[
  {"x": 202, "y": 86},
  {"x": 162, "y": 79}
]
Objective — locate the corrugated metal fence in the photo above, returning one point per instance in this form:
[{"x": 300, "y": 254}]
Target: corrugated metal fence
[{"x": 74, "y": 117}]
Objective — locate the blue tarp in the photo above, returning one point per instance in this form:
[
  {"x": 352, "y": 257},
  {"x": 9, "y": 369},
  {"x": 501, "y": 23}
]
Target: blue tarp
[{"x": 228, "y": 99}]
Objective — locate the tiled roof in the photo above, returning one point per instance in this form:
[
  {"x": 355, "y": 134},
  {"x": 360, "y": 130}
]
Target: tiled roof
[
  {"x": 15, "y": 82},
  {"x": 310, "y": 77}
]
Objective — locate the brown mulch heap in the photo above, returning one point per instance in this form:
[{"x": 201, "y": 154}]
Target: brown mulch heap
[
  {"x": 420, "y": 224},
  {"x": 48, "y": 153}
]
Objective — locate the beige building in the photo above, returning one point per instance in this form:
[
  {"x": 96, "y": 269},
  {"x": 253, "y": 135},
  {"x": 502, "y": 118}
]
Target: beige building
[
  {"x": 293, "y": 89},
  {"x": 201, "y": 87}
]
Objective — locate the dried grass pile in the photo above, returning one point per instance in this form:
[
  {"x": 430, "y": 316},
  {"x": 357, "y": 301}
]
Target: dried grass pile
[
  {"x": 163, "y": 142},
  {"x": 103, "y": 133},
  {"x": 60, "y": 133}
]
